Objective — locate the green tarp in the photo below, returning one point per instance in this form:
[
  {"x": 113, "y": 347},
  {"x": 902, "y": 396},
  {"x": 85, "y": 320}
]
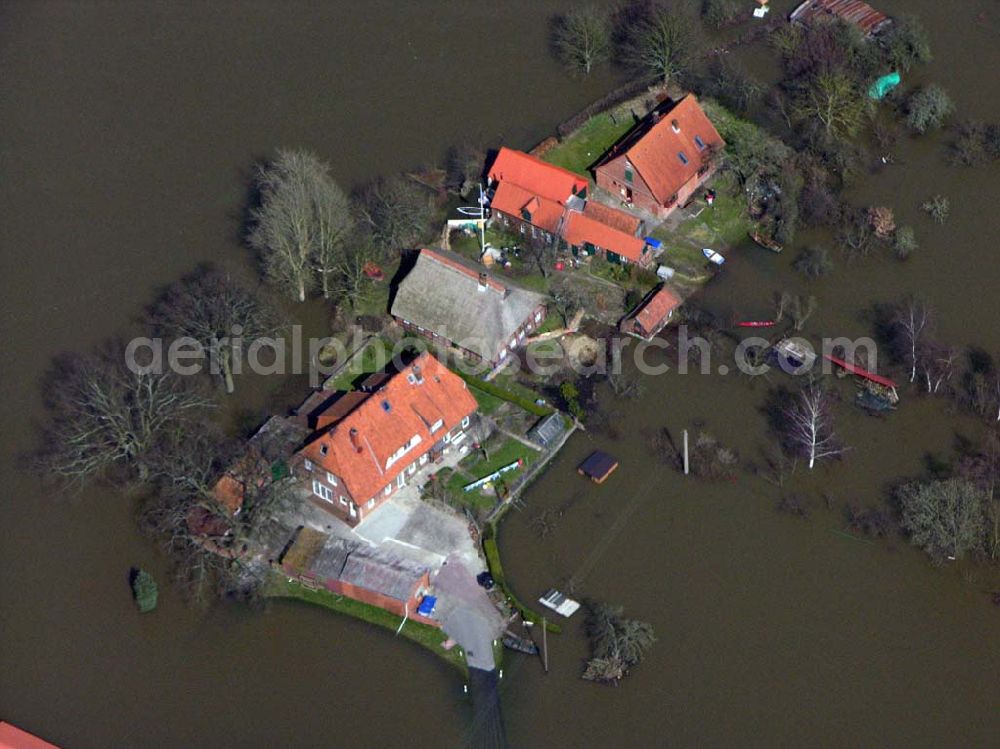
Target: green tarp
[{"x": 884, "y": 85}]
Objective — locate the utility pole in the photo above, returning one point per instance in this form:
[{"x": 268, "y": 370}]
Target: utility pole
[
  {"x": 545, "y": 646},
  {"x": 482, "y": 219},
  {"x": 687, "y": 465}
]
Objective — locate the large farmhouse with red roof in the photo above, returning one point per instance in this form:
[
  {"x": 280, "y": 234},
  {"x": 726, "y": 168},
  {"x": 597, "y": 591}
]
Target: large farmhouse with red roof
[
  {"x": 361, "y": 452},
  {"x": 529, "y": 196},
  {"x": 660, "y": 163}
]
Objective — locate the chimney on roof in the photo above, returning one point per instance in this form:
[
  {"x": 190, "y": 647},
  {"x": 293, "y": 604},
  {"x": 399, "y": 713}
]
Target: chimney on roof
[
  {"x": 355, "y": 442},
  {"x": 482, "y": 281},
  {"x": 675, "y": 126},
  {"x": 655, "y": 116},
  {"x": 417, "y": 377}
]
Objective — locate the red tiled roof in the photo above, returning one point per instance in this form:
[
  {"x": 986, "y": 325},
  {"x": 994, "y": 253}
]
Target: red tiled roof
[
  {"x": 614, "y": 218},
  {"x": 580, "y": 228},
  {"x": 656, "y": 309},
  {"x": 359, "y": 445},
  {"x": 511, "y": 198},
  {"x": 536, "y": 176},
  {"x": 859, "y": 13},
  {"x": 653, "y": 149},
  {"x": 12, "y": 737}
]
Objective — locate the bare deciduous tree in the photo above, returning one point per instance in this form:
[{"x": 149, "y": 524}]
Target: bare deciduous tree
[
  {"x": 219, "y": 312},
  {"x": 105, "y": 421},
  {"x": 395, "y": 212},
  {"x": 285, "y": 231},
  {"x": 332, "y": 212},
  {"x": 303, "y": 223},
  {"x": 944, "y": 518},
  {"x": 808, "y": 425},
  {"x": 661, "y": 41},
  {"x": 936, "y": 364},
  {"x": 581, "y": 38},
  {"x": 912, "y": 321}
]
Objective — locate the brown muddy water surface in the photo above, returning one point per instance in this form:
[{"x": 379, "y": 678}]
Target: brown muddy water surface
[{"x": 127, "y": 135}]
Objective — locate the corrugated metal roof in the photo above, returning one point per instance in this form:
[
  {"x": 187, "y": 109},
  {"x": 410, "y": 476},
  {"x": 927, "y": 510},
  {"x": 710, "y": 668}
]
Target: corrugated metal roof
[{"x": 861, "y": 14}]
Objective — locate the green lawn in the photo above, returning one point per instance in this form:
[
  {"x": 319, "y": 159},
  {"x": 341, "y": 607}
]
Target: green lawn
[
  {"x": 475, "y": 467},
  {"x": 587, "y": 144},
  {"x": 374, "y": 357},
  {"x": 428, "y": 637}
]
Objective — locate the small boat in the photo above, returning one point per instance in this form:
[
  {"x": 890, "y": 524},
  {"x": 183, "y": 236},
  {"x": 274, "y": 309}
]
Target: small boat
[
  {"x": 559, "y": 603},
  {"x": 755, "y": 323},
  {"x": 713, "y": 256},
  {"x": 873, "y": 401},
  {"x": 767, "y": 243},
  {"x": 519, "y": 644}
]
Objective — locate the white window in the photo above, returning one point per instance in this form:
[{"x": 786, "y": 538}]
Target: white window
[
  {"x": 522, "y": 228},
  {"x": 308, "y": 465},
  {"x": 322, "y": 491},
  {"x": 371, "y": 503},
  {"x": 343, "y": 500},
  {"x": 423, "y": 458},
  {"x": 388, "y": 489},
  {"x": 412, "y": 469},
  {"x": 447, "y": 437},
  {"x": 437, "y": 425},
  {"x": 538, "y": 316},
  {"x": 331, "y": 479},
  {"x": 465, "y": 422},
  {"x": 401, "y": 480},
  {"x": 409, "y": 445}
]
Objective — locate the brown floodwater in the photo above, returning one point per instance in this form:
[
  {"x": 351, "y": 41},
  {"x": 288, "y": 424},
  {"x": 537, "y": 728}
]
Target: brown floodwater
[{"x": 127, "y": 135}]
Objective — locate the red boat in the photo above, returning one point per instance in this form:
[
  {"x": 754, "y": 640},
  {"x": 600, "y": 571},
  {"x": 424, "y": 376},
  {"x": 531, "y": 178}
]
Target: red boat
[{"x": 755, "y": 323}]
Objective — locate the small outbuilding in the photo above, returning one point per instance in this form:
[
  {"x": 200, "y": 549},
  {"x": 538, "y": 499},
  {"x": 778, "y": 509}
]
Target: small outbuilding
[
  {"x": 547, "y": 430},
  {"x": 651, "y": 314},
  {"x": 598, "y": 466}
]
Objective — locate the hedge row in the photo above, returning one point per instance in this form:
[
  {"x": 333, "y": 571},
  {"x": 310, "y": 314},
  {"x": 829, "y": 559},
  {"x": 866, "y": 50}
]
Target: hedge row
[
  {"x": 505, "y": 394},
  {"x": 496, "y": 569}
]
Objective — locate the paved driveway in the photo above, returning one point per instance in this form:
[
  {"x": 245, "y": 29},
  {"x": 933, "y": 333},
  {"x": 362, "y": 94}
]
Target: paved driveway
[{"x": 419, "y": 531}]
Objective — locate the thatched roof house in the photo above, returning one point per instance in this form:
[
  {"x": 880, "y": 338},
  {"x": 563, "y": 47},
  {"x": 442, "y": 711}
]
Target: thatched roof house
[{"x": 451, "y": 301}]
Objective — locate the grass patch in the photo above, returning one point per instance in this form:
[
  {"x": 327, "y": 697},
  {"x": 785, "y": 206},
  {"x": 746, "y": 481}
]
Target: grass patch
[
  {"x": 430, "y": 638},
  {"x": 475, "y": 467},
  {"x": 374, "y": 357},
  {"x": 587, "y": 144}
]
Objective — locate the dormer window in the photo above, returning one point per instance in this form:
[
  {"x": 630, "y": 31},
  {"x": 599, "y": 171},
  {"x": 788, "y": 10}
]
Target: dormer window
[
  {"x": 683, "y": 157},
  {"x": 675, "y": 126},
  {"x": 699, "y": 142},
  {"x": 629, "y": 172},
  {"x": 324, "y": 449}
]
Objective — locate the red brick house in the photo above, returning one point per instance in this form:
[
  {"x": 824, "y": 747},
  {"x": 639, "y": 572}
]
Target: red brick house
[
  {"x": 451, "y": 302},
  {"x": 528, "y": 196},
  {"x": 651, "y": 314},
  {"x": 360, "y": 454},
  {"x": 348, "y": 568},
  {"x": 662, "y": 161},
  {"x": 595, "y": 231}
]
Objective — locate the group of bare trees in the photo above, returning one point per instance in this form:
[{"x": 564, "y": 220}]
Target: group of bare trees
[
  {"x": 655, "y": 39},
  {"x": 218, "y": 311},
  {"x": 308, "y": 232},
  {"x": 911, "y": 338},
  {"x": 130, "y": 418},
  {"x": 617, "y": 643}
]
